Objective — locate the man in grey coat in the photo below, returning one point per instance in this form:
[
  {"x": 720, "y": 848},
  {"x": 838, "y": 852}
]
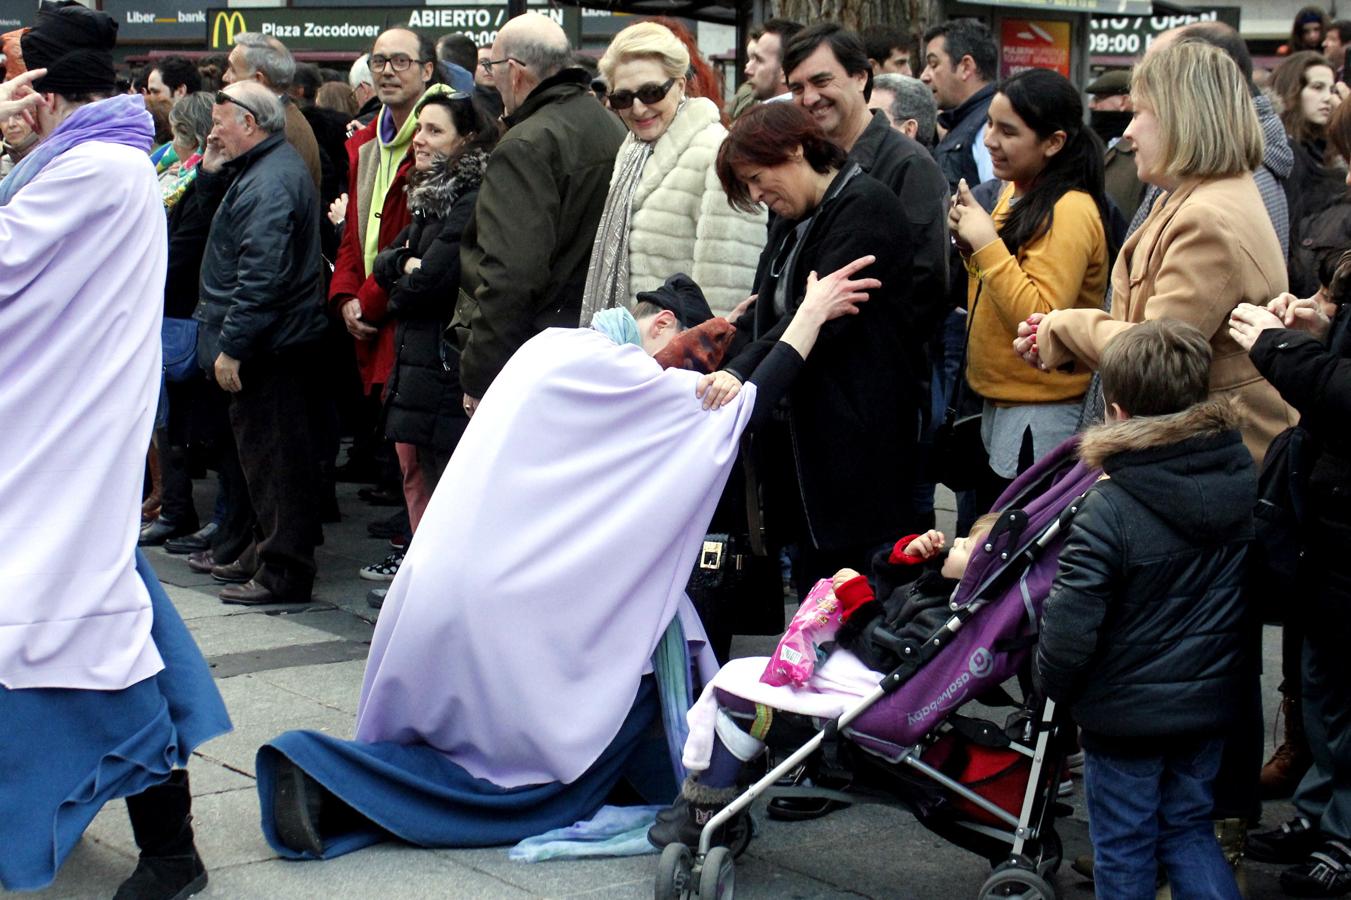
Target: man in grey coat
[{"x": 526, "y": 249}]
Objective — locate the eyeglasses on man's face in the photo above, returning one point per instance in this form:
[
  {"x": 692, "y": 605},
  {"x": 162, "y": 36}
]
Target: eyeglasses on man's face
[
  {"x": 399, "y": 62},
  {"x": 487, "y": 64},
  {"x": 648, "y": 93}
]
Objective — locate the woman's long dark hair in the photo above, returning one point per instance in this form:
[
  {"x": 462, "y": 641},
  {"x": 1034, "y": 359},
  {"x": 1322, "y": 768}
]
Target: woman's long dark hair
[
  {"x": 1289, "y": 81},
  {"x": 1048, "y": 103}
]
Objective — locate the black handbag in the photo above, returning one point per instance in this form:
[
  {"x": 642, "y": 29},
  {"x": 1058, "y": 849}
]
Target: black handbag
[
  {"x": 736, "y": 585},
  {"x": 1273, "y": 558},
  {"x": 959, "y": 459}
]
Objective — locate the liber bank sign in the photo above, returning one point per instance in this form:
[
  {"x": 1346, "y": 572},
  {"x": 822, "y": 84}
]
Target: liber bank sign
[{"x": 355, "y": 27}]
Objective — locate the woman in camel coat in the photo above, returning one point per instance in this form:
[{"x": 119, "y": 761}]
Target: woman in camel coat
[{"x": 1206, "y": 247}]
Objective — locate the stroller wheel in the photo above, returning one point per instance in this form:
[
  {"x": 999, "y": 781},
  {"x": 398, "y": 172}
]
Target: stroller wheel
[
  {"x": 717, "y": 876},
  {"x": 1013, "y": 881},
  {"x": 675, "y": 873}
]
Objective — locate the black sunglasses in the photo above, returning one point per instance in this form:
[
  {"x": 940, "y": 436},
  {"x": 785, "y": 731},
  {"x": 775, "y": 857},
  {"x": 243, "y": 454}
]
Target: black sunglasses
[
  {"x": 222, "y": 97},
  {"x": 648, "y": 93}
]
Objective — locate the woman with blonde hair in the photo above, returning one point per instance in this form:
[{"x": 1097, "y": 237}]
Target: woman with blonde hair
[
  {"x": 1205, "y": 248},
  {"x": 666, "y": 211}
]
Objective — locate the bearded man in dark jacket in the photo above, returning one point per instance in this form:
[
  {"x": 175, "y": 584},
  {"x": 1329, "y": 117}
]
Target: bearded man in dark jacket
[
  {"x": 526, "y": 250},
  {"x": 1145, "y": 633},
  {"x": 261, "y": 315}
]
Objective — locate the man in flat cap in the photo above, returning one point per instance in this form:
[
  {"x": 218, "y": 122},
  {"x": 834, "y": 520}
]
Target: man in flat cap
[
  {"x": 261, "y": 315},
  {"x": 103, "y": 693},
  {"x": 1109, "y": 112}
]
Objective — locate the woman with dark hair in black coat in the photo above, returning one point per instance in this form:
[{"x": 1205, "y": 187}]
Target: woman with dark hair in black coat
[
  {"x": 837, "y": 465},
  {"x": 1308, "y": 359},
  {"x": 421, "y": 272}
]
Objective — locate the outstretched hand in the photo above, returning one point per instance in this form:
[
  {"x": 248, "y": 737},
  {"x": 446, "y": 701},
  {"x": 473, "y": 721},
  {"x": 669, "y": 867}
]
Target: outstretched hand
[
  {"x": 717, "y": 389},
  {"x": 839, "y": 293},
  {"x": 17, "y": 97}
]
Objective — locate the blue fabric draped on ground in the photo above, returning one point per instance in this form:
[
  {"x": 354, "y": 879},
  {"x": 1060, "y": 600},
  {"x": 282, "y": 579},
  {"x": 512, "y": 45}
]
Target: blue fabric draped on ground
[
  {"x": 415, "y": 794},
  {"x": 64, "y": 753}
]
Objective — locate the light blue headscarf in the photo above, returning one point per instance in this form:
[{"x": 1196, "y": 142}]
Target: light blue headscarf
[{"x": 617, "y": 324}]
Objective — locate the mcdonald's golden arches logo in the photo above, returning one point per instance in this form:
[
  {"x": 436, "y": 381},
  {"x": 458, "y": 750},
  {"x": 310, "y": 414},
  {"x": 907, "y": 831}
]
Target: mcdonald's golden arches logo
[{"x": 232, "y": 20}]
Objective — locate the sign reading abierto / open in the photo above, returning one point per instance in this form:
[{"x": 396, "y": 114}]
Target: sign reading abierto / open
[
  {"x": 354, "y": 28},
  {"x": 1034, "y": 44},
  {"x": 1132, "y": 35}
]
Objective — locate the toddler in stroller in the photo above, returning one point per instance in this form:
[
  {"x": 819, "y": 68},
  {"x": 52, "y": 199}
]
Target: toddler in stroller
[{"x": 880, "y": 712}]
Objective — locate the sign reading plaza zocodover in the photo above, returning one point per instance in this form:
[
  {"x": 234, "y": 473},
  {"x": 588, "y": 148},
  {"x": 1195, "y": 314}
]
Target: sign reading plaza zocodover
[{"x": 354, "y": 28}]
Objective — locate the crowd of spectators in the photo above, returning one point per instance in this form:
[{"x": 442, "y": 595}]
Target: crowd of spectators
[{"x": 354, "y": 258}]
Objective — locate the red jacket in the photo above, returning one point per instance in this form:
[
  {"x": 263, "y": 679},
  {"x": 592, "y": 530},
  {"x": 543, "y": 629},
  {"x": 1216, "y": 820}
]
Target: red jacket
[{"x": 375, "y": 357}]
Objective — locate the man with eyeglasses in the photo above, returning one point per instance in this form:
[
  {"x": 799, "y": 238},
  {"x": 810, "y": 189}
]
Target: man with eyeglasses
[
  {"x": 261, "y": 316},
  {"x": 266, "y": 60},
  {"x": 527, "y": 246},
  {"x": 402, "y": 66}
]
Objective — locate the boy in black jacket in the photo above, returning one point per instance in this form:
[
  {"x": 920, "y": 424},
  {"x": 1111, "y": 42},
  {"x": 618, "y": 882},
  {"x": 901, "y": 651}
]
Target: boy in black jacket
[{"x": 1142, "y": 634}]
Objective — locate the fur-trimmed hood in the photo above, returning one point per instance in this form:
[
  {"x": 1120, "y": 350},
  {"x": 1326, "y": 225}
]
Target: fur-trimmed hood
[
  {"x": 434, "y": 193},
  {"x": 1207, "y": 419},
  {"x": 1189, "y": 469}
]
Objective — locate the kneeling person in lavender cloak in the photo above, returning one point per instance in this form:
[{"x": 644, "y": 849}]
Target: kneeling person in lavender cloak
[{"x": 529, "y": 643}]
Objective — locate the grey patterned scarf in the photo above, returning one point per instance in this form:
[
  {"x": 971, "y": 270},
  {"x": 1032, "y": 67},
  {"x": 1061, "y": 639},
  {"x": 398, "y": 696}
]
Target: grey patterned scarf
[{"x": 607, "y": 275}]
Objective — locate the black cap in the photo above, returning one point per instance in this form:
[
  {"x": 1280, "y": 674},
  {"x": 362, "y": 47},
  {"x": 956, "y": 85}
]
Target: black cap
[
  {"x": 681, "y": 296},
  {"x": 74, "y": 44}
]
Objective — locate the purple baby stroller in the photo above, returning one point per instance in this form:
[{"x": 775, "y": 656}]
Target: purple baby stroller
[{"x": 987, "y": 787}]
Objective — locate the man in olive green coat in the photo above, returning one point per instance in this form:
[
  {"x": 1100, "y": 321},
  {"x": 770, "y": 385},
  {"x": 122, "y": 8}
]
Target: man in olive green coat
[{"x": 526, "y": 249}]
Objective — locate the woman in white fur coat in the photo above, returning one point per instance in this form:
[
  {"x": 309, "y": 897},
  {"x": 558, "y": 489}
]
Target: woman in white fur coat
[{"x": 666, "y": 211}]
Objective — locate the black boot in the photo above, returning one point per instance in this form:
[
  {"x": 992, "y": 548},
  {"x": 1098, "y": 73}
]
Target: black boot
[
  {"x": 295, "y": 809},
  {"x": 693, "y": 809},
  {"x": 161, "y": 820}
]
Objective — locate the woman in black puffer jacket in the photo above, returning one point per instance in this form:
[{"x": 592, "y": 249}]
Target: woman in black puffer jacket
[
  {"x": 1308, "y": 359},
  {"x": 421, "y": 272}
]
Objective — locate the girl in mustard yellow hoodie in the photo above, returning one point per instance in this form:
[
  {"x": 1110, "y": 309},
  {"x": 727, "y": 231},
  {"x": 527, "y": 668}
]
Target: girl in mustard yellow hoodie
[{"x": 1044, "y": 248}]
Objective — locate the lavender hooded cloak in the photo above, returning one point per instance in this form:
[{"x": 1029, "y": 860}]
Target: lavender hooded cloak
[
  {"x": 550, "y": 560},
  {"x": 82, "y": 259}
]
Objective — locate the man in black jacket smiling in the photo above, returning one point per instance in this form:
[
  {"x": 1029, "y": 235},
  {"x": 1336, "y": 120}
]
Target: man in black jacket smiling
[
  {"x": 261, "y": 314},
  {"x": 1143, "y": 633},
  {"x": 829, "y": 75}
]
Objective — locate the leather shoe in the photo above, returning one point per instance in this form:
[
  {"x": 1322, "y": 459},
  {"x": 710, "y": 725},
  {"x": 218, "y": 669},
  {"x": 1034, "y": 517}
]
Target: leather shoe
[
  {"x": 202, "y": 562},
  {"x": 192, "y": 543},
  {"x": 157, "y": 532},
  {"x": 379, "y": 496},
  {"x": 251, "y": 593},
  {"x": 802, "y": 809},
  {"x": 231, "y": 573}
]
